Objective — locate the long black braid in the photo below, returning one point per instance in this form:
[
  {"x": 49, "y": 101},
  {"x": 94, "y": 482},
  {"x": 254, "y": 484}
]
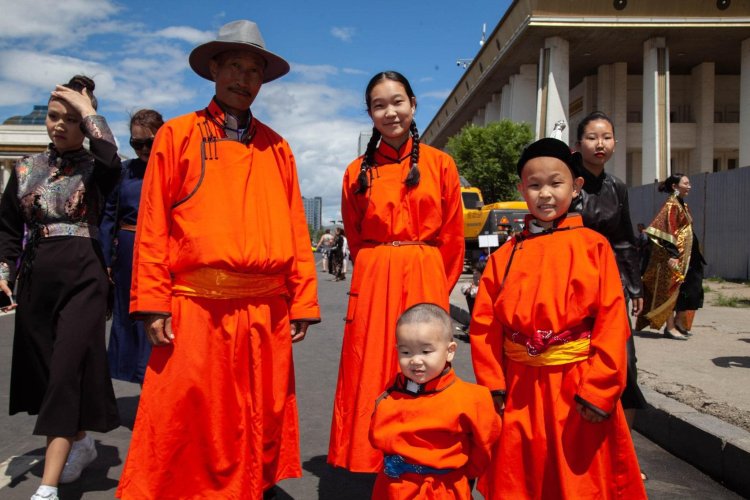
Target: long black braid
[
  {"x": 413, "y": 178},
  {"x": 368, "y": 160}
]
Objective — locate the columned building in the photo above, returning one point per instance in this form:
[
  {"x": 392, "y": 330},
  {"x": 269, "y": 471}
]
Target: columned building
[{"x": 673, "y": 75}]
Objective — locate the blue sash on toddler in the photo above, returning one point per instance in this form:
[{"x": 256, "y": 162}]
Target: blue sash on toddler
[{"x": 395, "y": 465}]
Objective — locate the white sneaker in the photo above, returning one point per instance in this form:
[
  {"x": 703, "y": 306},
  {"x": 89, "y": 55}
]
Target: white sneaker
[
  {"x": 48, "y": 495},
  {"x": 82, "y": 453}
]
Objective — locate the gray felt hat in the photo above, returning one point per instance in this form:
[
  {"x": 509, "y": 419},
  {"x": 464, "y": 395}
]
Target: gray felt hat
[{"x": 237, "y": 35}]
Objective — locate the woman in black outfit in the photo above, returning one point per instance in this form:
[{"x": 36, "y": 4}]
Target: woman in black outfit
[
  {"x": 59, "y": 370},
  {"x": 336, "y": 256},
  {"x": 603, "y": 204}
]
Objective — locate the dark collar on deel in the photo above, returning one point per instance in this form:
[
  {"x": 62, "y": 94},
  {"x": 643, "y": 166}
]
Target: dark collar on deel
[{"x": 439, "y": 383}]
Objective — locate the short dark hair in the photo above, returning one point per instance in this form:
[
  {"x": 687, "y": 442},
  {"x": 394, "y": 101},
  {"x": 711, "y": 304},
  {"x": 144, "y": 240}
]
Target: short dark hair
[
  {"x": 147, "y": 118},
  {"x": 553, "y": 148},
  {"x": 426, "y": 312}
]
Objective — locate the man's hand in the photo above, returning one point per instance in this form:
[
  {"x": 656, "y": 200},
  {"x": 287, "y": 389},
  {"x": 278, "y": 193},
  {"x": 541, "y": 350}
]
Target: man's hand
[
  {"x": 588, "y": 414},
  {"x": 299, "y": 329},
  {"x": 637, "y": 306},
  {"x": 159, "y": 329}
]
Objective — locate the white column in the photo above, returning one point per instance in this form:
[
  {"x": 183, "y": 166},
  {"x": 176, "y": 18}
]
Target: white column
[
  {"x": 492, "y": 110},
  {"x": 612, "y": 99},
  {"x": 703, "y": 85},
  {"x": 553, "y": 88},
  {"x": 478, "y": 119},
  {"x": 745, "y": 105},
  {"x": 505, "y": 102},
  {"x": 655, "y": 110},
  {"x": 523, "y": 95}
]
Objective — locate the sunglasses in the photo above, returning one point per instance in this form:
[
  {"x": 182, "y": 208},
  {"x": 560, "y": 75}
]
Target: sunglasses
[{"x": 141, "y": 143}]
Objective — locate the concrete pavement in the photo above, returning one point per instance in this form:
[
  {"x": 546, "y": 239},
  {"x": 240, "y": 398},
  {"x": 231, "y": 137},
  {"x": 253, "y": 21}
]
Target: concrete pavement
[{"x": 698, "y": 390}]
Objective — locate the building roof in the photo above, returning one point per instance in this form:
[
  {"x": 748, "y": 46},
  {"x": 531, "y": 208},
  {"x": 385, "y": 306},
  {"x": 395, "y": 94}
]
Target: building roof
[{"x": 36, "y": 117}]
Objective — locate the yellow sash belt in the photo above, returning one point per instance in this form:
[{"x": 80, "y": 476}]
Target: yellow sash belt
[
  {"x": 570, "y": 352},
  {"x": 212, "y": 283}
]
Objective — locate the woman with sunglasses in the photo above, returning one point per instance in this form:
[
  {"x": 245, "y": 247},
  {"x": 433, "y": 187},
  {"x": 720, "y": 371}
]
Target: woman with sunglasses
[{"x": 129, "y": 348}]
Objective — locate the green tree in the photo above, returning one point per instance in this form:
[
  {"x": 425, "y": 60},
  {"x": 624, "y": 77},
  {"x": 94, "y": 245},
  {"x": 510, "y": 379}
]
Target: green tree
[{"x": 487, "y": 157}]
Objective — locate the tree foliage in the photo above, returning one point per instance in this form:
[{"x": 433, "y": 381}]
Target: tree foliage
[{"x": 487, "y": 157}]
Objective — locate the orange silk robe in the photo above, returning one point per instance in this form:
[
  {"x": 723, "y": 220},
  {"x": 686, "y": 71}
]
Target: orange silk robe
[
  {"x": 388, "y": 279},
  {"x": 546, "y": 449},
  {"x": 451, "y": 425},
  {"x": 218, "y": 413}
]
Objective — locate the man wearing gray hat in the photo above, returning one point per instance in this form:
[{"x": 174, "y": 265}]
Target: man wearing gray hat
[{"x": 225, "y": 282}]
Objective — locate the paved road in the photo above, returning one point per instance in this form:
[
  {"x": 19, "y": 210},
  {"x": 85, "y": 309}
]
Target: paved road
[{"x": 316, "y": 367}]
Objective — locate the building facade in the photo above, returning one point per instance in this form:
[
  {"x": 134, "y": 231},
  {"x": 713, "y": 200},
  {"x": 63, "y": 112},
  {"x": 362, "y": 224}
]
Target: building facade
[
  {"x": 673, "y": 75},
  {"x": 21, "y": 136},
  {"x": 314, "y": 212}
]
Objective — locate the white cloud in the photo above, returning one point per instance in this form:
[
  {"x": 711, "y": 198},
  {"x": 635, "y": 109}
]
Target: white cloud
[
  {"x": 186, "y": 34},
  {"x": 317, "y": 72},
  {"x": 39, "y": 71},
  {"x": 12, "y": 93},
  {"x": 352, "y": 71},
  {"x": 440, "y": 95},
  {"x": 309, "y": 116},
  {"x": 344, "y": 34},
  {"x": 55, "y": 22}
]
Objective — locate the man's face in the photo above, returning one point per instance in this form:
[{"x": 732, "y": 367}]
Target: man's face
[{"x": 238, "y": 76}]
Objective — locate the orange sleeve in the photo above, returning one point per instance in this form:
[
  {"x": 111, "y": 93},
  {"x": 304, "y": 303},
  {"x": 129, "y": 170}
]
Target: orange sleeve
[
  {"x": 302, "y": 281},
  {"x": 451, "y": 235},
  {"x": 604, "y": 381},
  {"x": 151, "y": 287},
  {"x": 485, "y": 431},
  {"x": 487, "y": 332},
  {"x": 352, "y": 215}
]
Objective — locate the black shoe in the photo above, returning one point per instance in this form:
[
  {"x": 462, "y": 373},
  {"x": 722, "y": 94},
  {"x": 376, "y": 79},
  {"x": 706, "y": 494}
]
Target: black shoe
[
  {"x": 683, "y": 331},
  {"x": 674, "y": 335}
]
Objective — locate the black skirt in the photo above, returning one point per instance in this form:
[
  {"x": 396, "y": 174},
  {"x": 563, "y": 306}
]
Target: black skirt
[
  {"x": 59, "y": 369},
  {"x": 690, "y": 297}
]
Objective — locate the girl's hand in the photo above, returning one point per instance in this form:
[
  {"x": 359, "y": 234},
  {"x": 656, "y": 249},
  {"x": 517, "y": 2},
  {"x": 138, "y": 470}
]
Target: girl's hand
[
  {"x": 637, "y": 306},
  {"x": 589, "y": 415},
  {"x": 673, "y": 263},
  {"x": 80, "y": 101},
  {"x": 4, "y": 288}
]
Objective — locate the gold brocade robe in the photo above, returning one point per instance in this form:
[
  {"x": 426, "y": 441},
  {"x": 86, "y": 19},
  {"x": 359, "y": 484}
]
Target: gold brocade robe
[{"x": 672, "y": 227}]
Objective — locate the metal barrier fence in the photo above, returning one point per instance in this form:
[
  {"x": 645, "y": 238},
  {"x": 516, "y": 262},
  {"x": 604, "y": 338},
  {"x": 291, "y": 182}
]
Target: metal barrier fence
[{"x": 720, "y": 204}]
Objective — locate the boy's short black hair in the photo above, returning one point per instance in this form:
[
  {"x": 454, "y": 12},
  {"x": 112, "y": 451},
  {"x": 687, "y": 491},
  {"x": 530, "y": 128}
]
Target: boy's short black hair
[
  {"x": 426, "y": 312},
  {"x": 554, "y": 148}
]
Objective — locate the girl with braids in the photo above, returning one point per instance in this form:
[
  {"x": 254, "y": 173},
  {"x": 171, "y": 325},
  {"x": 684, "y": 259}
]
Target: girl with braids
[
  {"x": 59, "y": 370},
  {"x": 401, "y": 205}
]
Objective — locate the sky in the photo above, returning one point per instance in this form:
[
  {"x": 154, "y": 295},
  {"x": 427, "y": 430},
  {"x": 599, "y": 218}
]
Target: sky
[{"x": 137, "y": 52}]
